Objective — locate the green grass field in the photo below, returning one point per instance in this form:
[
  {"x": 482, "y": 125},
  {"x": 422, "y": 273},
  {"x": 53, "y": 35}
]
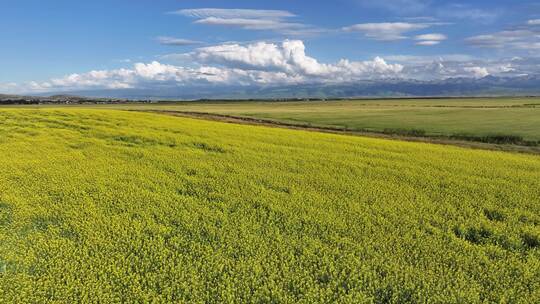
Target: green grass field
[
  {"x": 476, "y": 117},
  {"x": 113, "y": 206}
]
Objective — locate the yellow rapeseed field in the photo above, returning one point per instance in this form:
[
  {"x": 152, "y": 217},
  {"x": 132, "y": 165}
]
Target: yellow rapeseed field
[{"x": 114, "y": 206}]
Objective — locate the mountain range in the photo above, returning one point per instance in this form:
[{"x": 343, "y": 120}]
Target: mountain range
[{"x": 451, "y": 87}]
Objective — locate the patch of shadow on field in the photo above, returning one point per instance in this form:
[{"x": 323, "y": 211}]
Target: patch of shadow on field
[
  {"x": 52, "y": 224},
  {"x": 63, "y": 125},
  {"x": 485, "y": 235},
  {"x": 191, "y": 172},
  {"x": 6, "y": 214},
  {"x": 169, "y": 130},
  {"x": 494, "y": 215},
  {"x": 476, "y": 235},
  {"x": 200, "y": 191},
  {"x": 207, "y": 147},
  {"x": 139, "y": 141},
  {"x": 530, "y": 239},
  {"x": 80, "y": 145},
  {"x": 44, "y": 223},
  {"x": 23, "y": 131},
  {"x": 276, "y": 188},
  {"x": 390, "y": 294}
]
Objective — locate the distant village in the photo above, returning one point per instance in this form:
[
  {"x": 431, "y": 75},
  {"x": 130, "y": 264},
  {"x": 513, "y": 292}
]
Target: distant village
[{"x": 36, "y": 100}]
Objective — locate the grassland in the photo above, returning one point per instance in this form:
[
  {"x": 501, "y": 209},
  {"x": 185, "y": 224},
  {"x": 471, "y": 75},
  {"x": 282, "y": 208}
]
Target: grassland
[
  {"x": 113, "y": 206},
  {"x": 436, "y": 117}
]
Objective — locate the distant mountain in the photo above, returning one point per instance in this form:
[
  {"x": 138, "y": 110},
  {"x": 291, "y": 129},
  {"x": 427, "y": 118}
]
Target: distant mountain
[{"x": 487, "y": 86}]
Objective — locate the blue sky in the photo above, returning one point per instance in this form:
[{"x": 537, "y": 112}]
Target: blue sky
[{"x": 145, "y": 43}]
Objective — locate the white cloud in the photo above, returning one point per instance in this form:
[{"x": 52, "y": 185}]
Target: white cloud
[
  {"x": 523, "y": 39},
  {"x": 464, "y": 11},
  {"x": 176, "y": 41},
  {"x": 202, "y": 13},
  {"x": 228, "y": 64},
  {"x": 386, "y": 31},
  {"x": 437, "y": 9},
  {"x": 8, "y": 87},
  {"x": 428, "y": 42},
  {"x": 251, "y": 19},
  {"x": 431, "y": 37},
  {"x": 251, "y": 24},
  {"x": 477, "y": 72},
  {"x": 141, "y": 75},
  {"x": 452, "y": 66},
  {"x": 289, "y": 57},
  {"x": 268, "y": 63},
  {"x": 439, "y": 69},
  {"x": 378, "y": 68},
  {"x": 398, "y": 6},
  {"x": 417, "y": 59}
]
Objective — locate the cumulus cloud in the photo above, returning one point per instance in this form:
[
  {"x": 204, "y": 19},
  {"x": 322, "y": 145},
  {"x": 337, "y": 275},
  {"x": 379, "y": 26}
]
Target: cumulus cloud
[
  {"x": 8, "y": 87},
  {"x": 386, "y": 31},
  {"x": 176, "y": 41},
  {"x": 452, "y": 66},
  {"x": 477, "y": 72},
  {"x": 425, "y": 59},
  {"x": 440, "y": 69},
  {"x": 534, "y": 22},
  {"x": 289, "y": 57},
  {"x": 228, "y": 64},
  {"x": 283, "y": 63},
  {"x": 140, "y": 76}
]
